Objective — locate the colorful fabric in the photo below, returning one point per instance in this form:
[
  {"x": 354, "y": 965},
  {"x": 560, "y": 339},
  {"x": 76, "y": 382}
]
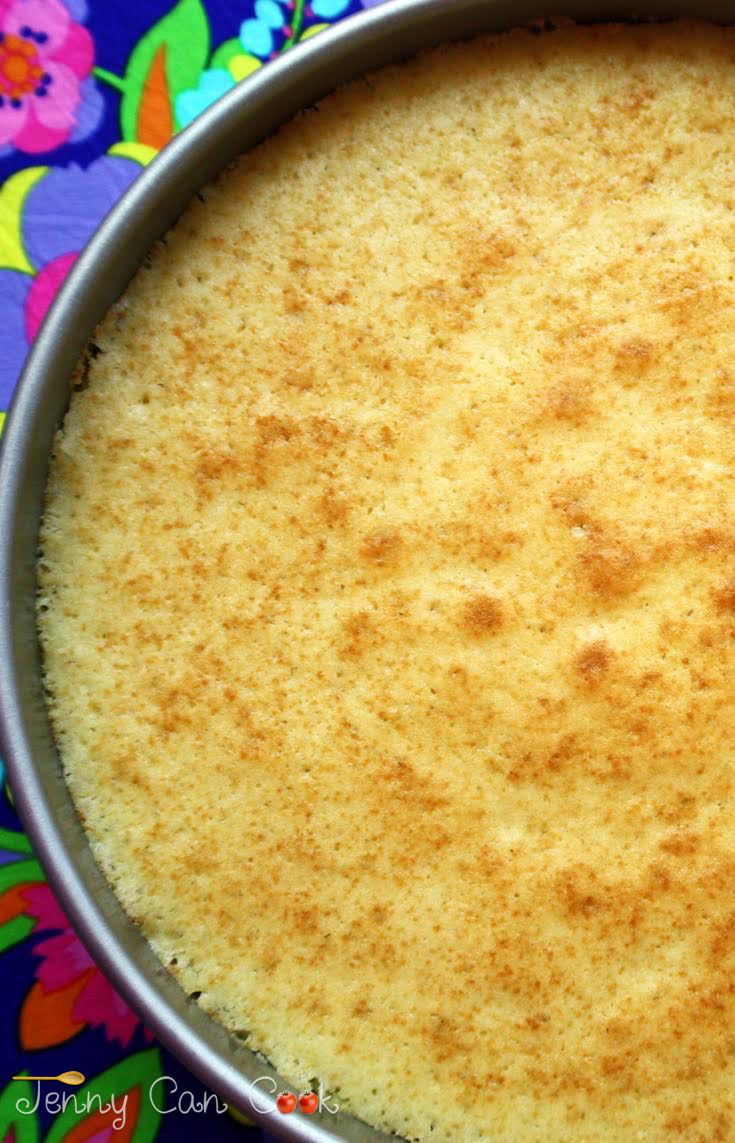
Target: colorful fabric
[{"x": 90, "y": 91}]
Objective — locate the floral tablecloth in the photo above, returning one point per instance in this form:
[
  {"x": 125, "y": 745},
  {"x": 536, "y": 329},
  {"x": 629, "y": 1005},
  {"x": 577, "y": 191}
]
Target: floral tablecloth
[{"x": 90, "y": 91}]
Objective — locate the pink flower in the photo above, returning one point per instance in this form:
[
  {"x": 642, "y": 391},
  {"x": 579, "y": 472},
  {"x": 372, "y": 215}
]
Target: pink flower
[
  {"x": 45, "y": 59},
  {"x": 67, "y": 966}
]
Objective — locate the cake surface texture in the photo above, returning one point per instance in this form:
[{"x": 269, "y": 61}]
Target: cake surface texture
[{"x": 387, "y": 591}]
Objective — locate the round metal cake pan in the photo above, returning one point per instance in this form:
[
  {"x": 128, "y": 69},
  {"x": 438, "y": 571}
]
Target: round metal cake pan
[{"x": 239, "y": 121}]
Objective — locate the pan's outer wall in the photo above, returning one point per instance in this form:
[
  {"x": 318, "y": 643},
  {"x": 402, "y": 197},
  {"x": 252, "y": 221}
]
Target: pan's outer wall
[{"x": 239, "y": 121}]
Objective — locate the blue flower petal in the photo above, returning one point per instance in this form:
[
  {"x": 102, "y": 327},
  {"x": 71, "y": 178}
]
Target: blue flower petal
[
  {"x": 269, "y": 13},
  {"x": 187, "y": 105},
  {"x": 329, "y": 9},
  {"x": 215, "y": 82},
  {"x": 256, "y": 38},
  {"x": 14, "y": 288},
  {"x": 90, "y": 111},
  {"x": 66, "y": 206}
]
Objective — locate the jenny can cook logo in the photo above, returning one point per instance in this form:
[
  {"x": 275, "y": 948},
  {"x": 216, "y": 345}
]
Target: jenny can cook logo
[{"x": 166, "y": 1097}]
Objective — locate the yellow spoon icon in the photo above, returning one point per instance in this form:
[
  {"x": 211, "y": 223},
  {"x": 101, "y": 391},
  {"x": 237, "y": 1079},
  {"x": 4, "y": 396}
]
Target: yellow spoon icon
[{"x": 73, "y": 1078}]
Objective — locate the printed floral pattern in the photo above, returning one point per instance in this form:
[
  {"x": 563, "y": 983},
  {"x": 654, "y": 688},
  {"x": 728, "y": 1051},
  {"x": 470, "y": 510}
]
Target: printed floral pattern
[
  {"x": 90, "y": 91},
  {"x": 68, "y": 997},
  {"x": 82, "y": 198},
  {"x": 46, "y": 94},
  {"x": 68, "y": 982},
  {"x": 213, "y": 83}
]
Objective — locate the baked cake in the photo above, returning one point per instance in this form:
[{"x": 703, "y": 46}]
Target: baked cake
[{"x": 388, "y": 591}]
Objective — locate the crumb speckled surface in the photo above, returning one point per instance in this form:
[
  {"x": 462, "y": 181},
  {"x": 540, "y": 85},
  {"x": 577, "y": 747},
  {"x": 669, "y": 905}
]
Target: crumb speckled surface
[{"x": 388, "y": 592}]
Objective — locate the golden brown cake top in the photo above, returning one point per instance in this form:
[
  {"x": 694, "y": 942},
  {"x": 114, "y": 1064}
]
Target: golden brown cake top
[{"x": 388, "y": 591}]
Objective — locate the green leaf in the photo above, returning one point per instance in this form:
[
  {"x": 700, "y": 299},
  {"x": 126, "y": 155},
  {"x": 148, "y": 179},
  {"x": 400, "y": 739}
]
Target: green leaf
[
  {"x": 19, "y": 871},
  {"x": 298, "y": 15},
  {"x": 14, "y": 931},
  {"x": 16, "y": 1102},
  {"x": 14, "y": 841},
  {"x": 181, "y": 41},
  {"x": 138, "y": 1071}
]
